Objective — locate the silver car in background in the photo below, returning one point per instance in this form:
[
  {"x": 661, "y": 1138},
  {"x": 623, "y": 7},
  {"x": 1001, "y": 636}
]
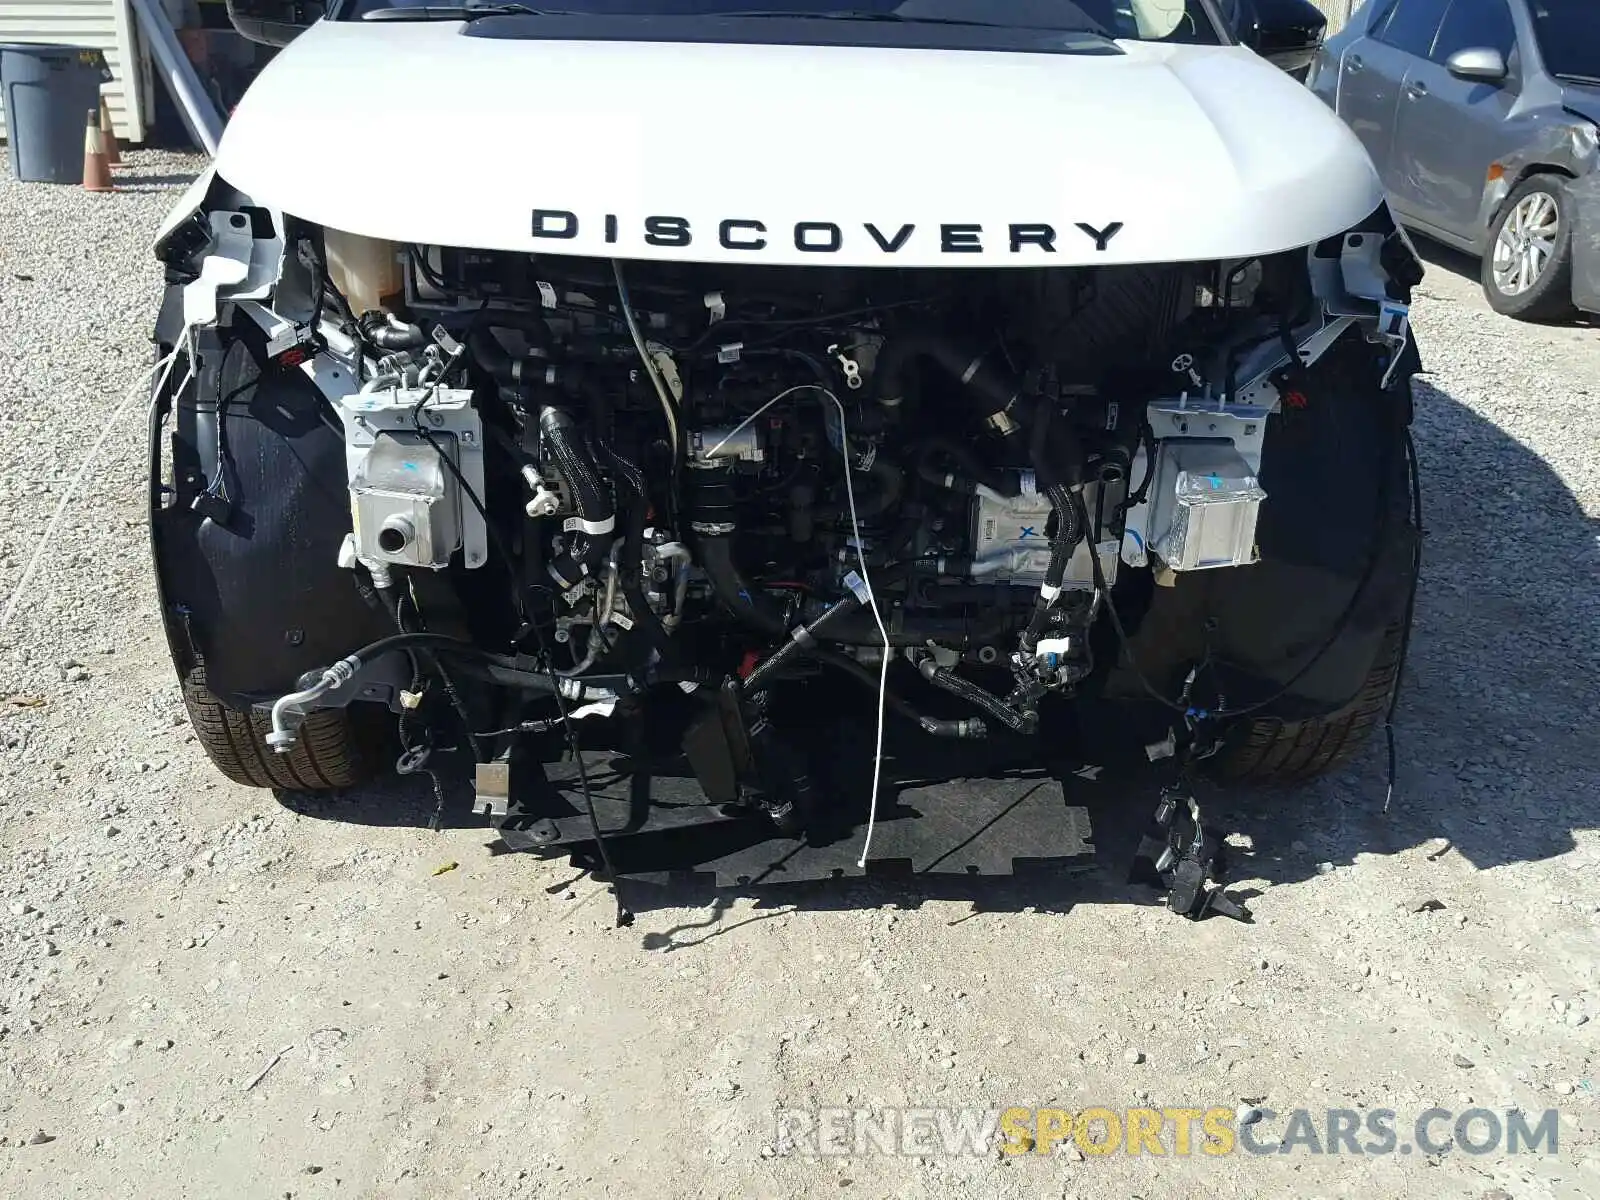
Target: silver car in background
[{"x": 1481, "y": 117}]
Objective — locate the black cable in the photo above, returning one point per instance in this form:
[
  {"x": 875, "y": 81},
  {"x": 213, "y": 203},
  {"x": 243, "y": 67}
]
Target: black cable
[
  {"x": 217, "y": 481},
  {"x": 1367, "y": 575},
  {"x": 420, "y": 264},
  {"x": 431, "y": 661},
  {"x": 1328, "y": 643},
  {"x": 790, "y": 324},
  {"x": 624, "y": 917},
  {"x": 1116, "y": 619},
  {"x": 1411, "y": 608}
]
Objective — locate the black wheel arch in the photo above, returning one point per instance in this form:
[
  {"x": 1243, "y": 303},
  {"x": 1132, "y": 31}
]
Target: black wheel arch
[
  {"x": 258, "y": 597},
  {"x": 1338, "y": 553}
]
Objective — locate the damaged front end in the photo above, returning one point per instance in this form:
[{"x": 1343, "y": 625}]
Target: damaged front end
[{"x": 646, "y": 545}]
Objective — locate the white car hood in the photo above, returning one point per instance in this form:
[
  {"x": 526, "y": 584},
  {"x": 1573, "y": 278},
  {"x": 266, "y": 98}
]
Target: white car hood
[{"x": 794, "y": 154}]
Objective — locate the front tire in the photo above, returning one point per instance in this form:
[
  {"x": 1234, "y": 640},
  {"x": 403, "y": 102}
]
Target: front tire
[
  {"x": 335, "y": 748},
  {"x": 1270, "y": 750},
  {"x": 1527, "y": 269}
]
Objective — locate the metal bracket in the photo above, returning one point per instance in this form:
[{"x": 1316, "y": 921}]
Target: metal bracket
[{"x": 383, "y": 680}]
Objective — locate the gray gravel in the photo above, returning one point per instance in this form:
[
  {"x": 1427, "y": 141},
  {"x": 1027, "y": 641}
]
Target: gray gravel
[{"x": 166, "y": 937}]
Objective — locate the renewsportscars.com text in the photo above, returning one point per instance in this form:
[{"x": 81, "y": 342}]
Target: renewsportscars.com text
[{"x": 1178, "y": 1132}]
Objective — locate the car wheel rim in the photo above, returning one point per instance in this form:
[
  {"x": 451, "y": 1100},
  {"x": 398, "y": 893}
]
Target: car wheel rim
[{"x": 1527, "y": 243}]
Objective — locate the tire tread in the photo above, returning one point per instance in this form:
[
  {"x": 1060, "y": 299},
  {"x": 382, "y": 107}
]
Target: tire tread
[
  {"x": 330, "y": 753},
  {"x": 1273, "y": 750}
]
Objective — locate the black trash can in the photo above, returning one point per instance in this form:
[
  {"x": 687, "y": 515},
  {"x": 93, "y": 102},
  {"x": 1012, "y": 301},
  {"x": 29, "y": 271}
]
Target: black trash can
[{"x": 47, "y": 91}]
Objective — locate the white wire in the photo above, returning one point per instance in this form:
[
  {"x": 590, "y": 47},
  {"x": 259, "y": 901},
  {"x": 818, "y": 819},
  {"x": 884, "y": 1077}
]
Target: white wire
[
  {"x": 644, "y": 355},
  {"x": 745, "y": 424},
  {"x": 883, "y": 630},
  {"x": 872, "y": 596},
  {"x": 83, "y": 470}
]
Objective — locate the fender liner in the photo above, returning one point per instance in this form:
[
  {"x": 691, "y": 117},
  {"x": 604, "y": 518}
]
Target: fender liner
[{"x": 260, "y": 599}]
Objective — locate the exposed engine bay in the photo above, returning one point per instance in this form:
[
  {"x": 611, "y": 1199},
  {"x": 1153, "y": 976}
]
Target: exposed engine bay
[
  {"x": 590, "y": 492},
  {"x": 737, "y": 474},
  {"x": 759, "y": 464}
]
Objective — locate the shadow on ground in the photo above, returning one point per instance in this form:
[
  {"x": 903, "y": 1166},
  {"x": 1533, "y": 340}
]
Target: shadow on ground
[
  {"x": 1494, "y": 757},
  {"x": 1470, "y": 268}
]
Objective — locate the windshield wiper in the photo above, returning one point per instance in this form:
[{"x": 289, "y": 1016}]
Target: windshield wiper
[
  {"x": 1574, "y": 77},
  {"x": 490, "y": 8},
  {"x": 457, "y": 12},
  {"x": 911, "y": 18}
]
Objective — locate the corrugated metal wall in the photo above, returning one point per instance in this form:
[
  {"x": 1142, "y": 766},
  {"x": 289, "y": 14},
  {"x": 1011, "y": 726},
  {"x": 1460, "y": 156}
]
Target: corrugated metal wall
[
  {"x": 1338, "y": 11},
  {"x": 103, "y": 24}
]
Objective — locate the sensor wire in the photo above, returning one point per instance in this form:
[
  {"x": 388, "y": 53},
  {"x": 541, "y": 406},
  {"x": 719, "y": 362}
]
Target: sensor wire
[
  {"x": 644, "y": 356},
  {"x": 866, "y": 580},
  {"x": 48, "y": 536}
]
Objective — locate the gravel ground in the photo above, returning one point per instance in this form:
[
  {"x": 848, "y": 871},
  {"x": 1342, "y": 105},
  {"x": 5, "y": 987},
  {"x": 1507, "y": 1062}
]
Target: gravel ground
[{"x": 165, "y": 937}]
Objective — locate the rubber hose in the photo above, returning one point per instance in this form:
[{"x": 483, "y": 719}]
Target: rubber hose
[
  {"x": 972, "y": 472},
  {"x": 933, "y": 726},
  {"x": 1054, "y": 449},
  {"x": 973, "y": 694},
  {"x": 993, "y": 386},
  {"x": 644, "y": 617},
  {"x": 590, "y": 495},
  {"x": 798, "y": 646},
  {"x": 494, "y": 358},
  {"x": 886, "y": 486},
  {"x": 1069, "y": 532},
  {"x": 387, "y": 333},
  {"x": 754, "y": 608}
]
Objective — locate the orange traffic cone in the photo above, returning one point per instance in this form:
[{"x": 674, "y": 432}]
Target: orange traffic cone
[
  {"x": 108, "y": 132},
  {"x": 96, "y": 171}
]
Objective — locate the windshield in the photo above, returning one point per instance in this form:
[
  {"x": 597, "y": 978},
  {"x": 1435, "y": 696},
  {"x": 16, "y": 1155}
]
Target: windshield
[
  {"x": 1186, "y": 21},
  {"x": 1569, "y": 36}
]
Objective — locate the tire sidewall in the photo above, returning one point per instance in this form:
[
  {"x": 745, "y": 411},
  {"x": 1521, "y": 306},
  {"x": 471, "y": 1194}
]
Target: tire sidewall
[{"x": 1551, "y": 296}]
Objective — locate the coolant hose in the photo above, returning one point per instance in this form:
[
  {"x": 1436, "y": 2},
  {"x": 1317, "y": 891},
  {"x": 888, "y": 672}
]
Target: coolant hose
[
  {"x": 386, "y": 331},
  {"x": 712, "y": 517},
  {"x": 993, "y": 386},
  {"x": 884, "y": 486},
  {"x": 597, "y": 515},
  {"x": 1069, "y": 532},
  {"x": 969, "y": 470},
  {"x": 948, "y": 680},
  {"x": 644, "y": 617},
  {"x": 1054, "y": 449},
  {"x": 754, "y": 608},
  {"x": 494, "y": 358},
  {"x": 937, "y": 727}
]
